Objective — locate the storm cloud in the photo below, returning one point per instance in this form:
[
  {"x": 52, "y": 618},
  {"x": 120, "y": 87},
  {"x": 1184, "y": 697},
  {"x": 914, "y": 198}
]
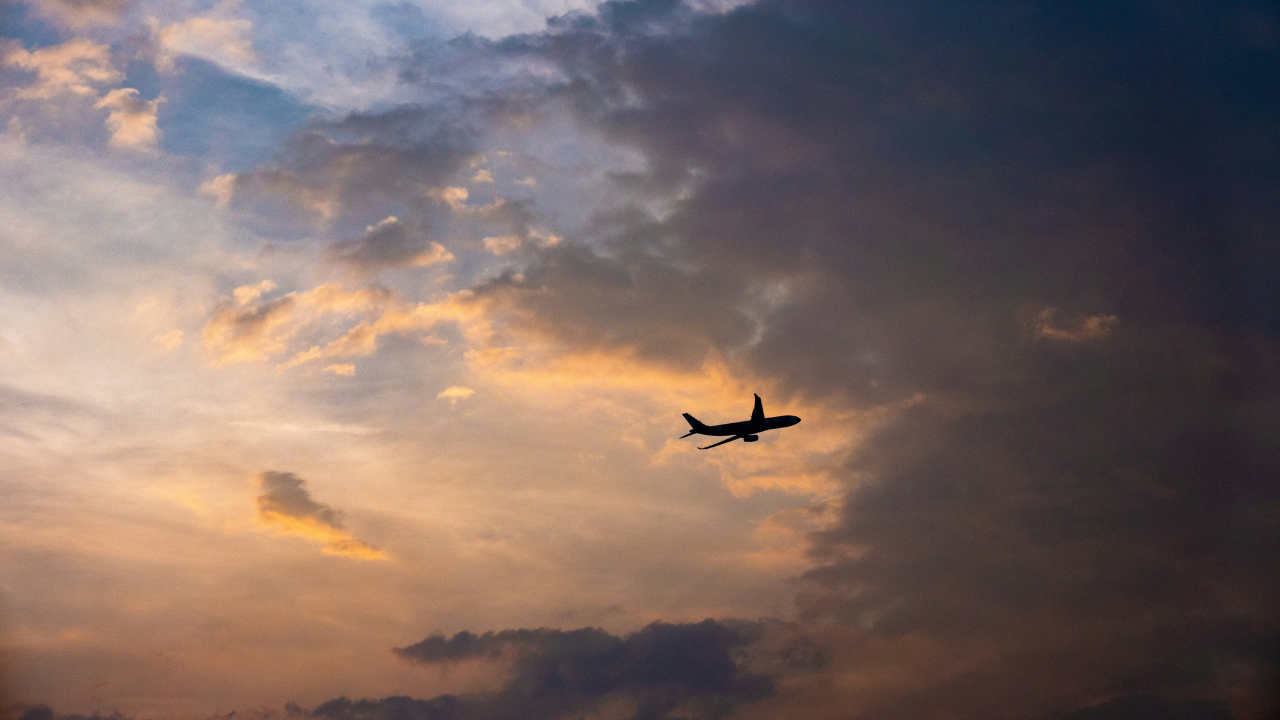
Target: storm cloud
[{"x": 1044, "y": 229}]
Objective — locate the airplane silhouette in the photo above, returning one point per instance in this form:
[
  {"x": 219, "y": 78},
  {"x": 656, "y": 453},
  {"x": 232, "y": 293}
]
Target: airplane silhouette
[{"x": 745, "y": 431}]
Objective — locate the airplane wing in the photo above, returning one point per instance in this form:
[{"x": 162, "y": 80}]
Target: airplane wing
[
  {"x": 757, "y": 413},
  {"x": 735, "y": 437}
]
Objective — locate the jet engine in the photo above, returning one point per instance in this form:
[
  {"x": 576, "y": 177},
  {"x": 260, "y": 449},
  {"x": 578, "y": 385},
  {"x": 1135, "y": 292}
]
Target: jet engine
[{"x": 750, "y": 438}]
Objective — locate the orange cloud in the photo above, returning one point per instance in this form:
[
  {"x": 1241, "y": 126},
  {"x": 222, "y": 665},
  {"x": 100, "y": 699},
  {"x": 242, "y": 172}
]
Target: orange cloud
[{"x": 455, "y": 393}]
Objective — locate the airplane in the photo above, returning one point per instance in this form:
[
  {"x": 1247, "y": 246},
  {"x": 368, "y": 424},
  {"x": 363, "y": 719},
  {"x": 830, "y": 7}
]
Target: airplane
[{"x": 745, "y": 431}]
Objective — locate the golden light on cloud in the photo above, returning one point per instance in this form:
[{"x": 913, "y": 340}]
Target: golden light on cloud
[
  {"x": 800, "y": 462},
  {"x": 253, "y": 329},
  {"x": 72, "y": 67},
  {"x": 220, "y": 188},
  {"x": 456, "y": 198},
  {"x": 501, "y": 245},
  {"x": 501, "y": 353},
  {"x": 132, "y": 121},
  {"x": 455, "y": 393},
  {"x": 436, "y": 254},
  {"x": 286, "y": 508},
  {"x": 224, "y": 39}
]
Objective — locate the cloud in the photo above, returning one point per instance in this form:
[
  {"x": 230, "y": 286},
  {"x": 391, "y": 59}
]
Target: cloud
[
  {"x": 132, "y": 121},
  {"x": 286, "y": 508},
  {"x": 455, "y": 393},
  {"x": 502, "y": 245},
  {"x": 661, "y": 671},
  {"x": 859, "y": 202},
  {"x": 219, "y": 38},
  {"x": 634, "y": 303},
  {"x": 359, "y": 165},
  {"x": 391, "y": 243},
  {"x": 82, "y": 13},
  {"x": 168, "y": 341},
  {"x": 1048, "y": 326},
  {"x": 221, "y": 188},
  {"x": 75, "y": 67},
  {"x": 252, "y": 329}
]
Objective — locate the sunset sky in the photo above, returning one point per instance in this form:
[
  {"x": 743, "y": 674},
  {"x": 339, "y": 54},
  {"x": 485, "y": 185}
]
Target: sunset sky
[{"x": 332, "y": 329}]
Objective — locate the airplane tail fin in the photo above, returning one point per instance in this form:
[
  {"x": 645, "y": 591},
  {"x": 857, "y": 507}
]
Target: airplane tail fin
[{"x": 695, "y": 425}]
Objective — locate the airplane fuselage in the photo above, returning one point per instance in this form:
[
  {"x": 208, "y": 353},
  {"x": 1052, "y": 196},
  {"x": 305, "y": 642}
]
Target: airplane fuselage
[{"x": 748, "y": 427}]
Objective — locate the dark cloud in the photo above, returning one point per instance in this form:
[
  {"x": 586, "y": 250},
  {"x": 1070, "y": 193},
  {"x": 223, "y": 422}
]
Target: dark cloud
[
  {"x": 391, "y": 243},
  {"x": 364, "y": 165},
  {"x": 662, "y": 671},
  {"x": 285, "y": 494},
  {"x": 286, "y": 507},
  {"x": 1141, "y": 707},
  {"x": 634, "y": 303}
]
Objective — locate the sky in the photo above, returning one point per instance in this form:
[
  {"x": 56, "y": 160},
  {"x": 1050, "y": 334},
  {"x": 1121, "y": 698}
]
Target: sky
[{"x": 344, "y": 346}]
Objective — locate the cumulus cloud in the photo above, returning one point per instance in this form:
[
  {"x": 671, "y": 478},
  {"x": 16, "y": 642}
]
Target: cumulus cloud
[
  {"x": 76, "y": 67},
  {"x": 132, "y": 121},
  {"x": 221, "y": 188},
  {"x": 219, "y": 37},
  {"x": 286, "y": 508}
]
